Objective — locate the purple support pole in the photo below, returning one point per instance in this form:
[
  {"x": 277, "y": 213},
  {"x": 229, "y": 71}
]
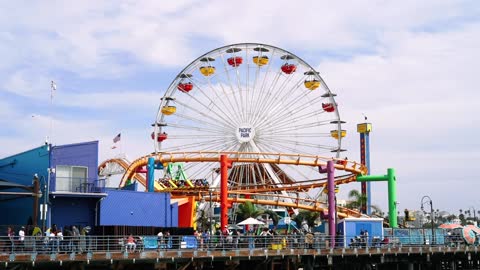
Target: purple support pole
[{"x": 332, "y": 226}]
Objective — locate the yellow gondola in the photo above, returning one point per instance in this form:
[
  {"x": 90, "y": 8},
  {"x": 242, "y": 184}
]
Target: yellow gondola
[
  {"x": 312, "y": 84},
  {"x": 169, "y": 110},
  {"x": 334, "y": 133},
  {"x": 260, "y": 60},
  {"x": 207, "y": 70}
]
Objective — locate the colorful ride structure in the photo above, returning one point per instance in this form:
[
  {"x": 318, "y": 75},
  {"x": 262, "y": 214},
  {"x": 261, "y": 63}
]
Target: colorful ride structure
[{"x": 226, "y": 122}]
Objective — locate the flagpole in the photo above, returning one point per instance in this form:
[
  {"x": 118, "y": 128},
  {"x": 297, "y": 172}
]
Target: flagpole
[{"x": 53, "y": 87}]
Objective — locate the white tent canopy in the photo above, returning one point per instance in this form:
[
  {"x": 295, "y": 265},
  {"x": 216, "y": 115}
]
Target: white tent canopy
[{"x": 251, "y": 221}]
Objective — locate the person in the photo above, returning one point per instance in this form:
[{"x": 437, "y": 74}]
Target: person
[
  {"x": 10, "y": 235},
  {"x": 21, "y": 238},
  {"x": 131, "y": 245},
  {"x": 76, "y": 238},
  {"x": 206, "y": 238},
  {"x": 160, "y": 240},
  {"x": 366, "y": 238},
  {"x": 85, "y": 239},
  {"x": 385, "y": 242}
]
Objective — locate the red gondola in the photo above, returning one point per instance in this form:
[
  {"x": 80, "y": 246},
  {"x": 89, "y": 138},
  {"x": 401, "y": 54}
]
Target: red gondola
[
  {"x": 185, "y": 87},
  {"x": 161, "y": 137},
  {"x": 289, "y": 68},
  {"x": 328, "y": 107},
  {"x": 235, "y": 61}
]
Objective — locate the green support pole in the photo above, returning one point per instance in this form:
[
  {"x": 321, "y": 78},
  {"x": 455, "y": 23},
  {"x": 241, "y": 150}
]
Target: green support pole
[
  {"x": 392, "y": 192},
  {"x": 392, "y": 198}
]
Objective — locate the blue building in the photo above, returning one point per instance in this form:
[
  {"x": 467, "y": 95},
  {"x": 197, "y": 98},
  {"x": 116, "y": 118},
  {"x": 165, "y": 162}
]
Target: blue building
[
  {"x": 69, "y": 185},
  {"x": 72, "y": 193},
  {"x": 350, "y": 228}
]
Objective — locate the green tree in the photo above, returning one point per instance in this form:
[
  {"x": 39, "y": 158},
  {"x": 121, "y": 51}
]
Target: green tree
[
  {"x": 273, "y": 215},
  {"x": 203, "y": 222},
  {"x": 248, "y": 209},
  {"x": 308, "y": 216},
  {"x": 357, "y": 200}
]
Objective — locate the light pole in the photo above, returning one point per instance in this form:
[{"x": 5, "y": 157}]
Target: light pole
[
  {"x": 427, "y": 199},
  {"x": 210, "y": 212}
]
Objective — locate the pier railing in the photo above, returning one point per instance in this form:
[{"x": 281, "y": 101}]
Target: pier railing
[{"x": 122, "y": 244}]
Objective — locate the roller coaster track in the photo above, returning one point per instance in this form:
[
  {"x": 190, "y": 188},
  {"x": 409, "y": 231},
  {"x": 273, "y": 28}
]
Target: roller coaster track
[
  {"x": 244, "y": 157},
  {"x": 352, "y": 167}
]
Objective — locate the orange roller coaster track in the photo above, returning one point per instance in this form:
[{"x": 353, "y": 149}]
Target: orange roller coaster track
[
  {"x": 244, "y": 157},
  {"x": 352, "y": 167}
]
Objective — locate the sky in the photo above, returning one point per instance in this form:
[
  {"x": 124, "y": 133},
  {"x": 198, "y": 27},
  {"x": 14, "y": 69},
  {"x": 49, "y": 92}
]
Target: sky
[{"x": 410, "y": 66}]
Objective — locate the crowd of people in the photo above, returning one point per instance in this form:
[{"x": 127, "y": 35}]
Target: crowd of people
[{"x": 68, "y": 239}]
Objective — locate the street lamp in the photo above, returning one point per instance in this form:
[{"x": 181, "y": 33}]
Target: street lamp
[
  {"x": 427, "y": 199},
  {"x": 210, "y": 212}
]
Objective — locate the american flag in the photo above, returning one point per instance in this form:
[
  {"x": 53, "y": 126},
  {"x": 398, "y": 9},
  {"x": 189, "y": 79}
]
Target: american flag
[{"x": 117, "y": 138}]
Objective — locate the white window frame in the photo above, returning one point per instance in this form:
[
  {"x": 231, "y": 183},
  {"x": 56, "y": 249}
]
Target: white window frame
[{"x": 73, "y": 187}]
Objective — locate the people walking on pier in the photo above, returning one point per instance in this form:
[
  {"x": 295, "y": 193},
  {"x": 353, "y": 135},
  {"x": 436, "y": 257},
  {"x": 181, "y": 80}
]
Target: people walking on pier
[
  {"x": 131, "y": 245},
  {"x": 76, "y": 238},
  {"x": 21, "y": 238},
  {"x": 161, "y": 240}
]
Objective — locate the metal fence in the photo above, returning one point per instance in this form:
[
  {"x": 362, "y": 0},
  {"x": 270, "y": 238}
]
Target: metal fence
[{"x": 90, "y": 243}]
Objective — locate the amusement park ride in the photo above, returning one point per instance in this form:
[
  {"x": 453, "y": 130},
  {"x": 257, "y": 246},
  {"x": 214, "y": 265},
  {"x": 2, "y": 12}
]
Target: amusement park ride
[{"x": 250, "y": 122}]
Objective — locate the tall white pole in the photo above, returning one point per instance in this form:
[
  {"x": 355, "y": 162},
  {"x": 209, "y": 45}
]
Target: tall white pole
[{"x": 53, "y": 87}]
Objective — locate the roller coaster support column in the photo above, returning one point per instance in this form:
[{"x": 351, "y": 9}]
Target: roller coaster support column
[
  {"x": 392, "y": 193},
  {"x": 150, "y": 174},
  {"x": 332, "y": 226},
  {"x": 225, "y": 164}
]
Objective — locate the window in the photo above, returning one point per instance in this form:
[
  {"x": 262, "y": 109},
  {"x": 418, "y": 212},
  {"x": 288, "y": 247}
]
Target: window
[{"x": 70, "y": 178}]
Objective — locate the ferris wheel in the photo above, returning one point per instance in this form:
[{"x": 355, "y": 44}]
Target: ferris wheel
[{"x": 249, "y": 98}]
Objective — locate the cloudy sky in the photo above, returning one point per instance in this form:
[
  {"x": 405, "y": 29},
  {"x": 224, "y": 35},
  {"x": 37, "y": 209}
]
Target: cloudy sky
[{"x": 410, "y": 66}]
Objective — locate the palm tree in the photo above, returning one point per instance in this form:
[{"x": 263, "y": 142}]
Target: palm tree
[
  {"x": 357, "y": 200},
  {"x": 248, "y": 209},
  {"x": 202, "y": 220},
  {"x": 272, "y": 214},
  {"x": 308, "y": 216}
]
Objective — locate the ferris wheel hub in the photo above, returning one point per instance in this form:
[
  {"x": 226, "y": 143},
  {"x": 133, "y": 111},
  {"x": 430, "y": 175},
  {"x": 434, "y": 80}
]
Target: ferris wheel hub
[{"x": 245, "y": 133}]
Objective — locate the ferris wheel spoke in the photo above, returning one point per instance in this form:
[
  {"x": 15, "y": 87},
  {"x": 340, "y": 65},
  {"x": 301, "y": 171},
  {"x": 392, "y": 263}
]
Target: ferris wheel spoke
[
  {"x": 296, "y": 135},
  {"x": 204, "y": 143},
  {"x": 291, "y": 142},
  {"x": 273, "y": 109},
  {"x": 295, "y": 115},
  {"x": 214, "y": 121},
  {"x": 197, "y": 128},
  {"x": 264, "y": 92},
  {"x": 283, "y": 92},
  {"x": 266, "y": 95},
  {"x": 222, "y": 112},
  {"x": 207, "y": 127},
  {"x": 238, "y": 111},
  {"x": 288, "y": 126},
  {"x": 295, "y": 107}
]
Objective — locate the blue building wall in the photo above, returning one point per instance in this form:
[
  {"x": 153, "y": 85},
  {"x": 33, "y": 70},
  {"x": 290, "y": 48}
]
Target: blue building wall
[
  {"x": 20, "y": 169},
  {"x": 132, "y": 208},
  {"x": 67, "y": 211},
  {"x": 351, "y": 227},
  {"x": 80, "y": 154}
]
